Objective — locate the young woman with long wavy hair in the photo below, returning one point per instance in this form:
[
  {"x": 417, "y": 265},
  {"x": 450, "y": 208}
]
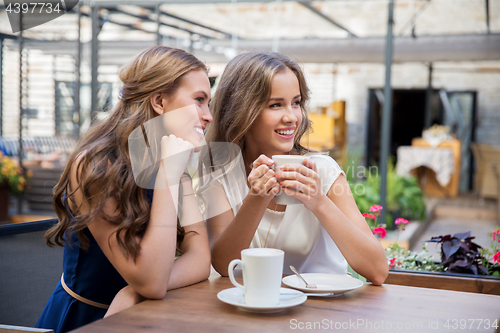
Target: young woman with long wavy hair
[
  {"x": 120, "y": 240},
  {"x": 260, "y": 106}
]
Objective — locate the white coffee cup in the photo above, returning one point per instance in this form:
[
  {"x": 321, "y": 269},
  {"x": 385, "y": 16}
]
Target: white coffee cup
[
  {"x": 262, "y": 273},
  {"x": 279, "y": 160}
]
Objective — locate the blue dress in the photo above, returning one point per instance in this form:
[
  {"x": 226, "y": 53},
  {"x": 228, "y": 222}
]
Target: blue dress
[{"x": 89, "y": 274}]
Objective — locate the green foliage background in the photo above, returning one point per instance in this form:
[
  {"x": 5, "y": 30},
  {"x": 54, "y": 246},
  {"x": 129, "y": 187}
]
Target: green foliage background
[{"x": 404, "y": 195}]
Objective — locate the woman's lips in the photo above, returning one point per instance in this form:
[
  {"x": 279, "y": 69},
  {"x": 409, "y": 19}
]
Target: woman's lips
[
  {"x": 199, "y": 131},
  {"x": 285, "y": 134}
]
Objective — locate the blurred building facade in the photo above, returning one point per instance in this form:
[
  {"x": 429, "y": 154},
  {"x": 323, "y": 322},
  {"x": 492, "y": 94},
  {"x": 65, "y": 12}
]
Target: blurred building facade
[{"x": 340, "y": 44}]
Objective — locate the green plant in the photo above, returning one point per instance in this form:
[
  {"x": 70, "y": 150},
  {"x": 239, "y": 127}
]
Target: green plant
[
  {"x": 399, "y": 258},
  {"x": 458, "y": 255},
  {"x": 396, "y": 255},
  {"x": 491, "y": 256},
  {"x": 404, "y": 195},
  {"x": 12, "y": 174},
  {"x": 350, "y": 164}
]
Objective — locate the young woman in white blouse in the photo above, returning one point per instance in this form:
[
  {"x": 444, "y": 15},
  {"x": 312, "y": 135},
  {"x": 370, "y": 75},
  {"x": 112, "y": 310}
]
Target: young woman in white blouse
[{"x": 260, "y": 105}]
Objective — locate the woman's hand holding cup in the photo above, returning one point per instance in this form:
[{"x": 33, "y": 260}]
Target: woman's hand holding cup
[
  {"x": 262, "y": 178},
  {"x": 300, "y": 181}
]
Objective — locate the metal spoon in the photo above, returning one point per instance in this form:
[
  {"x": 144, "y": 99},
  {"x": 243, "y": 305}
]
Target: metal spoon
[
  {"x": 311, "y": 294},
  {"x": 311, "y": 286},
  {"x": 290, "y": 296}
]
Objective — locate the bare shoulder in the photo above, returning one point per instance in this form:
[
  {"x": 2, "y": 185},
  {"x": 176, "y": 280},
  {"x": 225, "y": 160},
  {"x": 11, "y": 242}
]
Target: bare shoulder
[
  {"x": 74, "y": 193},
  {"x": 76, "y": 170}
]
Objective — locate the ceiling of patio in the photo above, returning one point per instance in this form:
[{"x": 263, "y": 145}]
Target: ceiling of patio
[{"x": 317, "y": 31}]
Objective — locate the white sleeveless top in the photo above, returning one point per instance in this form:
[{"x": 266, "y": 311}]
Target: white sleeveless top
[{"x": 307, "y": 245}]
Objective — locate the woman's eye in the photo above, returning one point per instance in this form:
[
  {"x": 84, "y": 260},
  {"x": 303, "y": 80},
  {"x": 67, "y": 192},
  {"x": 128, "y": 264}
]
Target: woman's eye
[
  {"x": 200, "y": 99},
  {"x": 296, "y": 103},
  {"x": 275, "y": 105}
]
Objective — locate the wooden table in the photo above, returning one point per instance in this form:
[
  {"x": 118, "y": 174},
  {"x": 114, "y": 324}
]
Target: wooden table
[{"x": 388, "y": 308}]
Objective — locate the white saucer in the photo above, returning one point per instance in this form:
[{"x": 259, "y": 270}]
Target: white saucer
[
  {"x": 235, "y": 296},
  {"x": 326, "y": 283}
]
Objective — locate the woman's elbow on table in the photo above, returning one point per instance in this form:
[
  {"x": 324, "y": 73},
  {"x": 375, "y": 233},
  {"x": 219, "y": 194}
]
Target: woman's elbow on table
[
  {"x": 206, "y": 274},
  {"x": 379, "y": 277},
  {"x": 207, "y": 267},
  {"x": 218, "y": 264},
  {"x": 151, "y": 289},
  {"x": 154, "y": 292},
  {"x": 221, "y": 269}
]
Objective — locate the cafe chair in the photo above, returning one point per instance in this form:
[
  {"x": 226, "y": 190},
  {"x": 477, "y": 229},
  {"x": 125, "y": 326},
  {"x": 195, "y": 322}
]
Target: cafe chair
[
  {"x": 496, "y": 170},
  {"x": 479, "y": 172},
  {"x": 18, "y": 329},
  {"x": 486, "y": 157},
  {"x": 29, "y": 272}
]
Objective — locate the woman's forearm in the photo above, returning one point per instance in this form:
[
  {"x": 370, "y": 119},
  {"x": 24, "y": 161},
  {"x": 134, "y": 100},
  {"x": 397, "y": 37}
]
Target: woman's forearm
[
  {"x": 191, "y": 267},
  {"x": 124, "y": 299},
  {"x": 363, "y": 253},
  {"x": 152, "y": 268},
  {"x": 194, "y": 264},
  {"x": 239, "y": 233}
]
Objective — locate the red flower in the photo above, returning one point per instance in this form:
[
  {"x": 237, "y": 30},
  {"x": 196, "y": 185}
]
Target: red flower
[
  {"x": 375, "y": 208},
  {"x": 371, "y": 216},
  {"x": 496, "y": 257},
  {"x": 401, "y": 220},
  {"x": 392, "y": 263},
  {"x": 380, "y": 231},
  {"x": 496, "y": 235}
]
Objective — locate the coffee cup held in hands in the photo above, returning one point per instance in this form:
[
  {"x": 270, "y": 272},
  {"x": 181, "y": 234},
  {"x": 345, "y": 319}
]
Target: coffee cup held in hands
[
  {"x": 280, "y": 160},
  {"x": 262, "y": 273}
]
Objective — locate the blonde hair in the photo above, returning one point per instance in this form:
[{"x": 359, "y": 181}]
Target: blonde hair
[
  {"x": 243, "y": 92},
  {"x": 104, "y": 170}
]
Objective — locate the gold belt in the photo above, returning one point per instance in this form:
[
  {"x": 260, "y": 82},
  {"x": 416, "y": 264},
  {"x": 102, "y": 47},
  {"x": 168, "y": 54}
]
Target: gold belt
[{"x": 80, "y": 298}]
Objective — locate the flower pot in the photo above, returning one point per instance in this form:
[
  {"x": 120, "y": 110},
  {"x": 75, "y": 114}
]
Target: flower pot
[{"x": 4, "y": 202}]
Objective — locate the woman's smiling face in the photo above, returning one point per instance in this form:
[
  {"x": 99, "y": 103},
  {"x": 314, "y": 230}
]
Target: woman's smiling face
[
  {"x": 274, "y": 130},
  {"x": 186, "y": 112}
]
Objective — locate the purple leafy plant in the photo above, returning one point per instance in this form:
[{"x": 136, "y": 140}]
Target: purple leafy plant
[{"x": 459, "y": 254}]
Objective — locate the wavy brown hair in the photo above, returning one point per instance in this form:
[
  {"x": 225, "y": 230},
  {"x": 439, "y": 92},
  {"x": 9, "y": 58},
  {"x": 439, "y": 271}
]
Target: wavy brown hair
[
  {"x": 243, "y": 92},
  {"x": 104, "y": 169}
]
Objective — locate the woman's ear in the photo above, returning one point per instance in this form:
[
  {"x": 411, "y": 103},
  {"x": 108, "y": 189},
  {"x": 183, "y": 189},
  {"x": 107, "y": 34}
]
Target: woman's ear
[{"x": 156, "y": 101}]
